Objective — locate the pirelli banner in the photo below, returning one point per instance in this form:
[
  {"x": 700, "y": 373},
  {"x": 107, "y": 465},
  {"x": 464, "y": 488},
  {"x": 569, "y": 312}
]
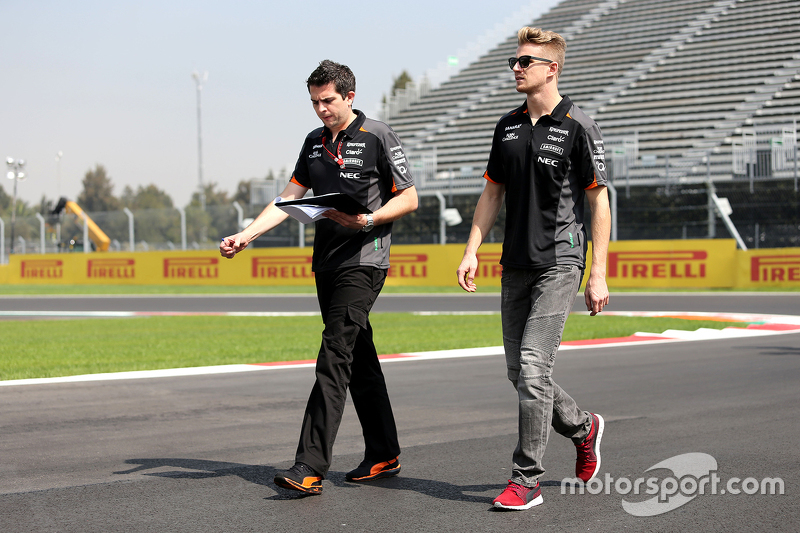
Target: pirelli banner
[
  {"x": 635, "y": 264},
  {"x": 667, "y": 264},
  {"x": 769, "y": 268}
]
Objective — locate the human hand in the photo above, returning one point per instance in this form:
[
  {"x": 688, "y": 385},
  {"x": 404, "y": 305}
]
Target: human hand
[
  {"x": 230, "y": 246},
  {"x": 348, "y": 221},
  {"x": 596, "y": 294},
  {"x": 466, "y": 272}
]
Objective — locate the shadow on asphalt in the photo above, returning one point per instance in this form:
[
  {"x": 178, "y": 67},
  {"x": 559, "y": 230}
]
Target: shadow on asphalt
[
  {"x": 263, "y": 475},
  {"x": 778, "y": 350},
  {"x": 201, "y": 469}
]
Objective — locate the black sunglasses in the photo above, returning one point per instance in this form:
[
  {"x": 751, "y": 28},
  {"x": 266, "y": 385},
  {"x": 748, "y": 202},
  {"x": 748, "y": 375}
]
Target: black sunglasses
[{"x": 525, "y": 61}]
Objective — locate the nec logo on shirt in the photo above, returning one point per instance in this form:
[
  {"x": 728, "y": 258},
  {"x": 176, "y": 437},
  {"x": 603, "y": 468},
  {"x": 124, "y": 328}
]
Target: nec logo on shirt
[
  {"x": 548, "y": 161},
  {"x": 350, "y": 175}
]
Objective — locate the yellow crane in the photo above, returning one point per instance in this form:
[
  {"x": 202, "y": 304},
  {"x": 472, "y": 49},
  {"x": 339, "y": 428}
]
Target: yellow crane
[{"x": 98, "y": 236}]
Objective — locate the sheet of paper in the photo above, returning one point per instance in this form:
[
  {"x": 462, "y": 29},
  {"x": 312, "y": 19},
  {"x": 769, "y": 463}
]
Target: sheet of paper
[{"x": 304, "y": 213}]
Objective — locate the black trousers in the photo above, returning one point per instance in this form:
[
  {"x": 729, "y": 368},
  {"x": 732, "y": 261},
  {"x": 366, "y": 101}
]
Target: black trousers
[{"x": 347, "y": 357}]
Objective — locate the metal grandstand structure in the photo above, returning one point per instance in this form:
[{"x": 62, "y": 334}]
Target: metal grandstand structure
[
  {"x": 695, "y": 98},
  {"x": 684, "y": 91}
]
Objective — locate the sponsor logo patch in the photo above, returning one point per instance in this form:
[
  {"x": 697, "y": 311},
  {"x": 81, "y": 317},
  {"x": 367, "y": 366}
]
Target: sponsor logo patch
[
  {"x": 548, "y": 161},
  {"x": 546, "y": 147}
]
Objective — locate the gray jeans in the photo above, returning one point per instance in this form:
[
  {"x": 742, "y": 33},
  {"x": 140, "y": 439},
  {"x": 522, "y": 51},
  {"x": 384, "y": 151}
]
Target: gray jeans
[{"x": 535, "y": 306}]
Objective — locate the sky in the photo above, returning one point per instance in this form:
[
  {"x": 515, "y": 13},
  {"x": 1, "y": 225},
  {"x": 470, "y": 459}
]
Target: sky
[{"x": 110, "y": 82}]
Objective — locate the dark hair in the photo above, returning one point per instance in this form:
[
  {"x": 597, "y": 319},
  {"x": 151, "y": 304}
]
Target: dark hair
[{"x": 329, "y": 72}]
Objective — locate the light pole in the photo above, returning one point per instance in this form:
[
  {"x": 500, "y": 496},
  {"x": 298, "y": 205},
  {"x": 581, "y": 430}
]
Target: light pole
[
  {"x": 16, "y": 172},
  {"x": 199, "y": 80}
]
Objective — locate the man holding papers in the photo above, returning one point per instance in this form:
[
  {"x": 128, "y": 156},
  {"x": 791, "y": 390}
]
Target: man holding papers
[{"x": 364, "y": 159}]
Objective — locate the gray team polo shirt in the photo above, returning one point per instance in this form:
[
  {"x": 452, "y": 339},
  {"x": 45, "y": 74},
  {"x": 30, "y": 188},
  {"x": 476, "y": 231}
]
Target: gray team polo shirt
[
  {"x": 373, "y": 167},
  {"x": 545, "y": 169}
]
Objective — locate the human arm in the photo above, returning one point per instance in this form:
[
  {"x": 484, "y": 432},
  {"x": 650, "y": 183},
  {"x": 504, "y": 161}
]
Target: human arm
[
  {"x": 270, "y": 217},
  {"x": 596, "y": 293},
  {"x": 402, "y": 203},
  {"x": 486, "y": 211}
]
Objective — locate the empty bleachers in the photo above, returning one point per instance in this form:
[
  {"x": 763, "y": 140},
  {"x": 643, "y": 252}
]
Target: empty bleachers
[{"x": 683, "y": 78}]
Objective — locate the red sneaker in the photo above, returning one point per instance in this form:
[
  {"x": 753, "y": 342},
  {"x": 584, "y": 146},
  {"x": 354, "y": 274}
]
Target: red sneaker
[
  {"x": 588, "y": 462},
  {"x": 517, "y": 497}
]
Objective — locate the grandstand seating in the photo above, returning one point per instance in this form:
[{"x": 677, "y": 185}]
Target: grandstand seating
[{"x": 682, "y": 78}]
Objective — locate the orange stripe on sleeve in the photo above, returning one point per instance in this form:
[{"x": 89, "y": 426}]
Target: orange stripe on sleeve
[{"x": 486, "y": 175}]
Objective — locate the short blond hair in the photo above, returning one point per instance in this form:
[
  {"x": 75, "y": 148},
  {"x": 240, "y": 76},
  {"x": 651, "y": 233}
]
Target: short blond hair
[{"x": 554, "y": 43}]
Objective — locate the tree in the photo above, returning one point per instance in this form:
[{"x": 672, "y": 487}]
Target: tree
[
  {"x": 218, "y": 219},
  {"x": 149, "y": 197},
  {"x": 155, "y": 218},
  {"x": 242, "y": 194},
  {"x": 97, "y": 192},
  {"x": 46, "y": 206},
  {"x": 213, "y": 197},
  {"x": 5, "y": 201},
  {"x": 401, "y": 81}
]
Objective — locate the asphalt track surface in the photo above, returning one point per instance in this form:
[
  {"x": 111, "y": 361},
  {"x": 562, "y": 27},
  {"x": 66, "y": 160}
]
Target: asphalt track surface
[
  {"x": 198, "y": 454},
  {"x": 772, "y": 303}
]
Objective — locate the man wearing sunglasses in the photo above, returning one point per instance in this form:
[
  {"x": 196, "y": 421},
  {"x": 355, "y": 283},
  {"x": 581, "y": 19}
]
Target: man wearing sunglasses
[
  {"x": 546, "y": 157},
  {"x": 362, "y": 157}
]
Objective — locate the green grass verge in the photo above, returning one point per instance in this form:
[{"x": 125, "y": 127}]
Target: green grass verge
[{"x": 49, "y": 348}]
